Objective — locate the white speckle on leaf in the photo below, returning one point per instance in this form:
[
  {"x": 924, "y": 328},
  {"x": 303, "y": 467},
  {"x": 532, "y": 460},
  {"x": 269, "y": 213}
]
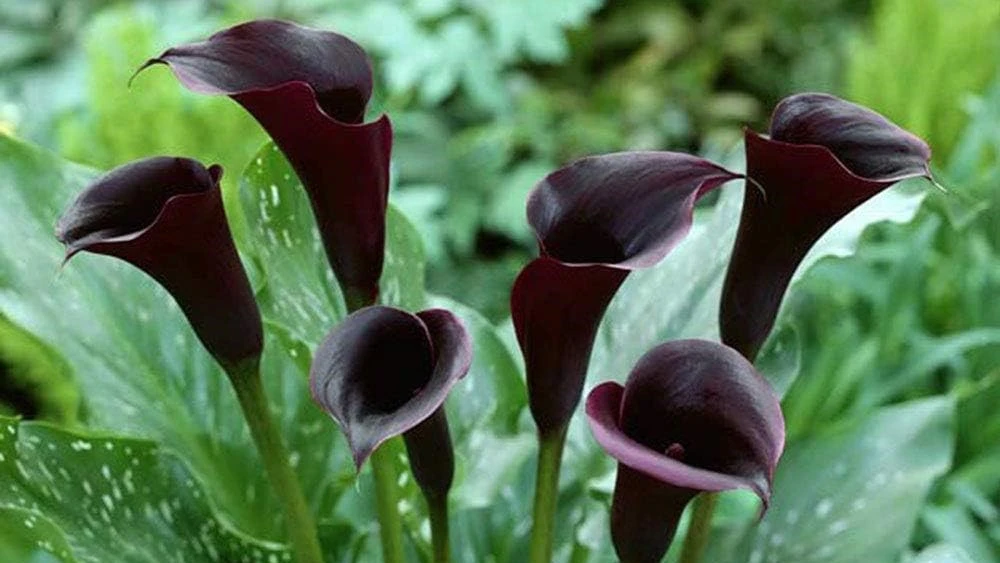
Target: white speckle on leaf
[
  {"x": 80, "y": 445},
  {"x": 823, "y": 508}
]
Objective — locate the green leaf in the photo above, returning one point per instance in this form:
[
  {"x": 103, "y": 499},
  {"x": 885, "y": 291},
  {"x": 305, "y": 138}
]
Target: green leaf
[
  {"x": 536, "y": 28},
  {"x": 29, "y": 537},
  {"x": 943, "y": 553},
  {"x": 140, "y": 369},
  {"x": 96, "y": 499},
  {"x": 854, "y": 494}
]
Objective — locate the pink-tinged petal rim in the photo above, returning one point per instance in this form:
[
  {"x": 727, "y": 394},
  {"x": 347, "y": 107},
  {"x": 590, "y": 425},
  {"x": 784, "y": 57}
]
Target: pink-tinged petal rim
[{"x": 603, "y": 409}]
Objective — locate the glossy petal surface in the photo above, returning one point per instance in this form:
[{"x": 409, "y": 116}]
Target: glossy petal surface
[
  {"x": 595, "y": 220},
  {"x": 308, "y": 89},
  {"x": 825, "y": 157},
  {"x": 383, "y": 371},
  {"x": 164, "y": 215},
  {"x": 624, "y": 209},
  {"x": 556, "y": 310},
  {"x": 693, "y": 416}
]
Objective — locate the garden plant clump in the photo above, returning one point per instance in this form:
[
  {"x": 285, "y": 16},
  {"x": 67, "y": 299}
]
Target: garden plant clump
[{"x": 232, "y": 337}]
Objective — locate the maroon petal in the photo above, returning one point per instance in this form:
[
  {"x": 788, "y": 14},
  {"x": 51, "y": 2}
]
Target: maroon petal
[
  {"x": 556, "y": 309},
  {"x": 623, "y": 209},
  {"x": 825, "y": 157},
  {"x": 164, "y": 215},
  {"x": 383, "y": 372},
  {"x": 693, "y": 416},
  {"x": 308, "y": 89}
]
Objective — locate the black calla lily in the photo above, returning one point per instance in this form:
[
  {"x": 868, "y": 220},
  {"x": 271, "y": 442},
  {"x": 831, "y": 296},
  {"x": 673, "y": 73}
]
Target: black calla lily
[
  {"x": 383, "y": 372},
  {"x": 164, "y": 215},
  {"x": 693, "y": 416},
  {"x": 825, "y": 156},
  {"x": 309, "y": 89},
  {"x": 595, "y": 220}
]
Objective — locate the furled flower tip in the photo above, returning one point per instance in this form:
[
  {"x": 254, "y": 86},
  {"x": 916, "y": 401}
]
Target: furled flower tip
[
  {"x": 824, "y": 157},
  {"x": 164, "y": 215},
  {"x": 595, "y": 220},
  {"x": 309, "y": 88},
  {"x": 384, "y": 372},
  {"x": 693, "y": 416}
]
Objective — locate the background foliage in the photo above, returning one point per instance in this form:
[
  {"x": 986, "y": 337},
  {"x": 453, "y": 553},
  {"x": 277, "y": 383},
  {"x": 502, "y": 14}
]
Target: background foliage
[{"x": 898, "y": 341}]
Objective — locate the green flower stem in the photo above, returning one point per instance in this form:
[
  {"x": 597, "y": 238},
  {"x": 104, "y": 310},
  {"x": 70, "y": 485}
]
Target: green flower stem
[
  {"x": 249, "y": 389},
  {"x": 387, "y": 504},
  {"x": 437, "y": 508},
  {"x": 698, "y": 531},
  {"x": 550, "y": 449}
]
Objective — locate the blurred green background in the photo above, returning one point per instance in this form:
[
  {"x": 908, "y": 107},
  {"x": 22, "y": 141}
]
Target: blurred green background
[{"x": 486, "y": 96}]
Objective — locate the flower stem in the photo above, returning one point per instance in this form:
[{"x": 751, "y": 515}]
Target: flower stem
[
  {"x": 387, "y": 504},
  {"x": 550, "y": 449},
  {"x": 437, "y": 509},
  {"x": 246, "y": 381},
  {"x": 700, "y": 528}
]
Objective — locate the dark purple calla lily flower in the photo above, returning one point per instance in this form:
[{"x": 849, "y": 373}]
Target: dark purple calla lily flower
[
  {"x": 824, "y": 157},
  {"x": 384, "y": 372},
  {"x": 595, "y": 220},
  {"x": 309, "y": 88},
  {"x": 164, "y": 215},
  {"x": 693, "y": 416}
]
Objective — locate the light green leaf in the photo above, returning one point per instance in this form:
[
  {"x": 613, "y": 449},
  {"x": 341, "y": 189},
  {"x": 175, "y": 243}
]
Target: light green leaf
[
  {"x": 854, "y": 494},
  {"x": 28, "y": 537},
  {"x": 535, "y": 28},
  {"x": 97, "y": 499},
  {"x": 943, "y": 553}
]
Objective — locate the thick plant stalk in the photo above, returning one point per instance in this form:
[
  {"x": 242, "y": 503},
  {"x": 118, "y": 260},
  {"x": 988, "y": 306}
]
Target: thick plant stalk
[
  {"x": 550, "y": 450},
  {"x": 387, "y": 504},
  {"x": 698, "y": 532},
  {"x": 299, "y": 521},
  {"x": 437, "y": 509}
]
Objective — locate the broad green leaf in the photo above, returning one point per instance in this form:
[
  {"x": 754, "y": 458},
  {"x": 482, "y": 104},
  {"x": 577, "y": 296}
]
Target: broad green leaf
[
  {"x": 28, "y": 537},
  {"x": 854, "y": 494},
  {"x": 300, "y": 293},
  {"x": 944, "y": 553},
  {"x": 97, "y": 499},
  {"x": 140, "y": 369}
]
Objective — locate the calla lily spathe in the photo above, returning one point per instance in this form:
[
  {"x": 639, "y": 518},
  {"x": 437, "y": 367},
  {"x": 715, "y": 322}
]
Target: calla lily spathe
[
  {"x": 595, "y": 221},
  {"x": 383, "y": 372},
  {"x": 309, "y": 88},
  {"x": 164, "y": 215},
  {"x": 824, "y": 157},
  {"x": 693, "y": 416}
]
